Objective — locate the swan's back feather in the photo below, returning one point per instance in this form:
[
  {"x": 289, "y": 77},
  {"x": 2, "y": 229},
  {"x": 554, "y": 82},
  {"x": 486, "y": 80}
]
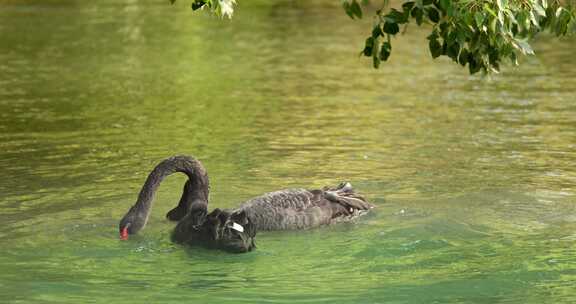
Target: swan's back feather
[
  {"x": 288, "y": 209},
  {"x": 285, "y": 199}
]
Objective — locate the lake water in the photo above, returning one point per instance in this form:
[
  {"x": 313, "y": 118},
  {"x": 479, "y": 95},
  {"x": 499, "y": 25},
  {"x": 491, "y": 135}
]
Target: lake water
[{"x": 474, "y": 178}]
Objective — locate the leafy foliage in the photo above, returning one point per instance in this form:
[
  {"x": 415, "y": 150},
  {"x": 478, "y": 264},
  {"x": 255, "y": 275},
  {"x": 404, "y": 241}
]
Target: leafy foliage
[
  {"x": 218, "y": 7},
  {"x": 477, "y": 33}
]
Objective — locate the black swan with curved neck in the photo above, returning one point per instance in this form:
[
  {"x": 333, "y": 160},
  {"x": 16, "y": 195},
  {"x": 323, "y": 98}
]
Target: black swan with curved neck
[{"x": 235, "y": 230}]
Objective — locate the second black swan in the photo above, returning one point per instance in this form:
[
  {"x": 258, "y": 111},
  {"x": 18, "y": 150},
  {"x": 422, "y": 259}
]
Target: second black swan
[{"x": 235, "y": 230}]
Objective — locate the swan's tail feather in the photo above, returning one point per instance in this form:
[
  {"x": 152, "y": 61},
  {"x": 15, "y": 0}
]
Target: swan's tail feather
[{"x": 344, "y": 194}]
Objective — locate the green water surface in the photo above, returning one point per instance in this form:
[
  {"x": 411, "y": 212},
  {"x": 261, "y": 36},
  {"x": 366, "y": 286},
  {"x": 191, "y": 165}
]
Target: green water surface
[{"x": 474, "y": 179}]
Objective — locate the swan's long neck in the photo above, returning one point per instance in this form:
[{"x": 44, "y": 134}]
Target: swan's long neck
[{"x": 138, "y": 214}]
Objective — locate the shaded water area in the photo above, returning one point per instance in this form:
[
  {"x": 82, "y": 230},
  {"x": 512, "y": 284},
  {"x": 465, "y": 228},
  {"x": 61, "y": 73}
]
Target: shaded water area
[{"x": 474, "y": 179}]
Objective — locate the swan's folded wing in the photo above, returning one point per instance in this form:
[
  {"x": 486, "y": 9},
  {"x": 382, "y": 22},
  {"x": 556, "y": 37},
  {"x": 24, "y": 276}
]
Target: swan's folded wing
[
  {"x": 287, "y": 209},
  {"x": 294, "y": 199}
]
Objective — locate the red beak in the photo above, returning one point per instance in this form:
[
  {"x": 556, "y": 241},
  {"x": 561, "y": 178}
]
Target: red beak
[{"x": 124, "y": 234}]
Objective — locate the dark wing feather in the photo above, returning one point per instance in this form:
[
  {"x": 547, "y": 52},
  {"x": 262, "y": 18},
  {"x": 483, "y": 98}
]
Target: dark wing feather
[{"x": 288, "y": 209}]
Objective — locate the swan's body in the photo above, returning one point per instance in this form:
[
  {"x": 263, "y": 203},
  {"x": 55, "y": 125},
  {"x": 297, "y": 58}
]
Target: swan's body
[
  {"x": 302, "y": 209},
  {"x": 235, "y": 229}
]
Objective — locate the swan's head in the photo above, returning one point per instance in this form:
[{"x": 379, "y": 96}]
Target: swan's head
[
  {"x": 131, "y": 223},
  {"x": 231, "y": 231}
]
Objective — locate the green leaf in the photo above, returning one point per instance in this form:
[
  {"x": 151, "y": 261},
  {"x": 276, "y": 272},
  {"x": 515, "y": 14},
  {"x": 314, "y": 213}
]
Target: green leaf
[
  {"x": 473, "y": 65},
  {"x": 563, "y": 23},
  {"x": 493, "y": 25},
  {"x": 377, "y": 31},
  {"x": 533, "y": 19},
  {"x": 407, "y": 6},
  {"x": 434, "y": 35},
  {"x": 479, "y": 17},
  {"x": 445, "y": 4},
  {"x": 368, "y": 46},
  {"x": 355, "y": 9},
  {"x": 433, "y": 15},
  {"x": 453, "y": 50},
  {"x": 489, "y": 10},
  {"x": 435, "y": 48},
  {"x": 396, "y": 16},
  {"x": 346, "y": 7},
  {"x": 418, "y": 14},
  {"x": 463, "y": 57},
  {"x": 501, "y": 4},
  {"x": 391, "y": 28},
  {"x": 444, "y": 27},
  {"x": 385, "y": 51},
  {"x": 477, "y": 33},
  {"x": 539, "y": 9}
]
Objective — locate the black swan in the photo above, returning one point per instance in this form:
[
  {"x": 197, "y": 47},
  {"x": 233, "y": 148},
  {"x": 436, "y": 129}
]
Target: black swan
[{"x": 235, "y": 230}]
